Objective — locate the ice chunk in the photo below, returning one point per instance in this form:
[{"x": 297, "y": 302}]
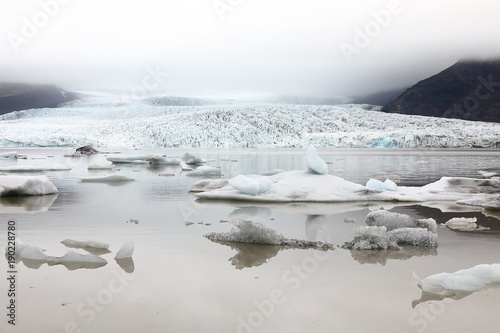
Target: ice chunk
[
  {"x": 395, "y": 220},
  {"x": 33, "y": 253},
  {"x": 245, "y": 185},
  {"x": 36, "y": 168},
  {"x": 101, "y": 166},
  {"x": 205, "y": 171},
  {"x": 161, "y": 159},
  {"x": 141, "y": 159},
  {"x": 18, "y": 249},
  {"x": 264, "y": 185},
  {"x": 75, "y": 257},
  {"x": 190, "y": 158},
  {"x": 82, "y": 244},
  {"x": 185, "y": 167},
  {"x": 273, "y": 172},
  {"x": 107, "y": 179},
  {"x": 125, "y": 251},
  {"x": 413, "y": 236},
  {"x": 245, "y": 231},
  {"x": 460, "y": 283},
  {"x": 314, "y": 163},
  {"x": 370, "y": 238},
  {"x": 462, "y": 223},
  {"x": 9, "y": 155},
  {"x": 387, "y": 185},
  {"x": 25, "y": 185},
  {"x": 208, "y": 185}
]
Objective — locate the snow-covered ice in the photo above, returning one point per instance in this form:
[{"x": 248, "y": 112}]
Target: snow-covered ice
[
  {"x": 107, "y": 179},
  {"x": 314, "y": 163},
  {"x": 125, "y": 251},
  {"x": 95, "y": 121},
  {"x": 25, "y": 185},
  {"x": 205, "y": 171},
  {"x": 36, "y": 168},
  {"x": 393, "y": 221}
]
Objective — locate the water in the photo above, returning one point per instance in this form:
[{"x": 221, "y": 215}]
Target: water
[{"x": 183, "y": 282}]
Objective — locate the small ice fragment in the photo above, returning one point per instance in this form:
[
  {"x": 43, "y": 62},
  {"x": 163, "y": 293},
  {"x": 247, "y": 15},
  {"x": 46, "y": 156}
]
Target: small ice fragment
[
  {"x": 190, "y": 158},
  {"x": 390, "y": 185},
  {"x": 375, "y": 185},
  {"x": 33, "y": 253},
  {"x": 125, "y": 251},
  {"x": 185, "y": 167},
  {"x": 462, "y": 223},
  {"x": 245, "y": 185},
  {"x": 205, "y": 171}
]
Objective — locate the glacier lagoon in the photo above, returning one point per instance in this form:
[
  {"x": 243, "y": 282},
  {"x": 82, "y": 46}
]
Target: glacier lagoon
[{"x": 179, "y": 280}]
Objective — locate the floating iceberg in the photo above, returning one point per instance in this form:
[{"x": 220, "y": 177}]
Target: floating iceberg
[
  {"x": 249, "y": 185},
  {"x": 101, "y": 166},
  {"x": 83, "y": 244},
  {"x": 205, "y": 171},
  {"x": 413, "y": 236},
  {"x": 245, "y": 231},
  {"x": 25, "y": 185},
  {"x": 459, "y": 284},
  {"x": 395, "y": 221},
  {"x": 208, "y": 185},
  {"x": 185, "y": 167},
  {"x": 160, "y": 159},
  {"x": 463, "y": 224},
  {"x": 141, "y": 159},
  {"x": 125, "y": 251},
  {"x": 190, "y": 158},
  {"x": 387, "y": 185},
  {"x": 314, "y": 163},
  {"x": 9, "y": 155},
  {"x": 107, "y": 179},
  {"x": 36, "y": 168}
]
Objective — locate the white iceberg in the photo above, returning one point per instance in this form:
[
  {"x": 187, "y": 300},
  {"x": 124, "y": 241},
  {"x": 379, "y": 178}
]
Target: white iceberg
[
  {"x": 161, "y": 159},
  {"x": 82, "y": 244},
  {"x": 125, "y": 251},
  {"x": 72, "y": 258},
  {"x": 107, "y": 179},
  {"x": 36, "y": 168},
  {"x": 185, "y": 167},
  {"x": 387, "y": 185},
  {"x": 395, "y": 220},
  {"x": 190, "y": 158},
  {"x": 9, "y": 155},
  {"x": 463, "y": 282},
  {"x": 19, "y": 246},
  {"x": 33, "y": 253},
  {"x": 463, "y": 224},
  {"x": 314, "y": 163},
  {"x": 205, "y": 171},
  {"x": 249, "y": 185},
  {"x": 25, "y": 185}
]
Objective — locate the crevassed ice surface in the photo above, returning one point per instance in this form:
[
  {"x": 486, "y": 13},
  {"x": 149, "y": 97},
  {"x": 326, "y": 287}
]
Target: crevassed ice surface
[{"x": 105, "y": 121}]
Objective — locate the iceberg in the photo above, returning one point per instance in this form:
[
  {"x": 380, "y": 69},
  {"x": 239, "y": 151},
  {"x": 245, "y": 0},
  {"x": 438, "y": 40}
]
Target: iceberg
[
  {"x": 25, "y": 185},
  {"x": 370, "y": 238},
  {"x": 36, "y": 168},
  {"x": 101, "y": 166},
  {"x": 160, "y": 159},
  {"x": 246, "y": 231},
  {"x": 249, "y": 185},
  {"x": 141, "y": 159},
  {"x": 208, "y": 185},
  {"x": 190, "y": 158},
  {"x": 9, "y": 155},
  {"x": 413, "y": 236},
  {"x": 314, "y": 163},
  {"x": 125, "y": 251},
  {"x": 83, "y": 244},
  {"x": 107, "y": 179},
  {"x": 463, "y": 224},
  {"x": 205, "y": 171},
  {"x": 395, "y": 221},
  {"x": 185, "y": 167},
  {"x": 387, "y": 185},
  {"x": 459, "y": 284}
]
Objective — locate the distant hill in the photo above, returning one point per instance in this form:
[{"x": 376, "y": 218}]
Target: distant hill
[
  {"x": 380, "y": 98},
  {"x": 20, "y": 96},
  {"x": 467, "y": 90}
]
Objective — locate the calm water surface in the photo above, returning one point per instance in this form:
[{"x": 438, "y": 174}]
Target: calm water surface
[{"x": 181, "y": 282}]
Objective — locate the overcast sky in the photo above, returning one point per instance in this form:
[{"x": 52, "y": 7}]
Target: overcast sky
[{"x": 310, "y": 47}]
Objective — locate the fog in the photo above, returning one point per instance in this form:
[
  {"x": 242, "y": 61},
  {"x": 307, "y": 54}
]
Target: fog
[{"x": 234, "y": 47}]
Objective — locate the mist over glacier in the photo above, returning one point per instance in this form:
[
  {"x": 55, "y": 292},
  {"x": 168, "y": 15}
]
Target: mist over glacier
[{"x": 106, "y": 120}]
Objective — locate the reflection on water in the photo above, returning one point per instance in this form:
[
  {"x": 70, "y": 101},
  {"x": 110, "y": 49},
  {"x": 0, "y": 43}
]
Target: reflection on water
[
  {"x": 251, "y": 255},
  {"x": 26, "y": 204},
  {"x": 127, "y": 264},
  {"x": 382, "y": 256}
]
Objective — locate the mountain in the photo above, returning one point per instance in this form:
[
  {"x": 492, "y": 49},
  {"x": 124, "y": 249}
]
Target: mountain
[
  {"x": 379, "y": 98},
  {"x": 468, "y": 90},
  {"x": 21, "y": 96}
]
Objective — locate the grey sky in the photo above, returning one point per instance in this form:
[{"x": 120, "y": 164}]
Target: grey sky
[{"x": 311, "y": 47}]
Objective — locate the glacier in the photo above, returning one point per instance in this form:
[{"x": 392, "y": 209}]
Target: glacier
[{"x": 102, "y": 122}]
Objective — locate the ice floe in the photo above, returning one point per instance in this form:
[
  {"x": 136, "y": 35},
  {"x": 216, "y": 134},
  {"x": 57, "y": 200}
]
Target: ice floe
[
  {"x": 160, "y": 159},
  {"x": 107, "y": 179},
  {"x": 36, "y": 168},
  {"x": 9, "y": 155},
  {"x": 205, "y": 171},
  {"x": 25, "y": 185},
  {"x": 101, "y": 166},
  {"x": 138, "y": 159},
  {"x": 463, "y": 224},
  {"x": 91, "y": 246},
  {"x": 459, "y": 284},
  {"x": 125, "y": 251}
]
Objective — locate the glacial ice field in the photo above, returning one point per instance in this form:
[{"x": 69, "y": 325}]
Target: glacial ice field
[{"x": 105, "y": 120}]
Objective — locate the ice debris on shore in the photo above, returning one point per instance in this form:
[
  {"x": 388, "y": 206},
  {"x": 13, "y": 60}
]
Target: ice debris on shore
[
  {"x": 26, "y": 185},
  {"x": 246, "y": 231}
]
